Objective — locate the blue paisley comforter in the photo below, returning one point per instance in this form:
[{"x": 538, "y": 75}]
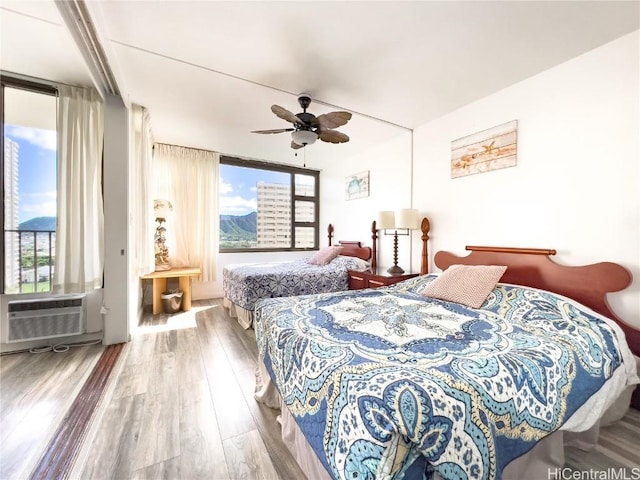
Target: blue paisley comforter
[
  {"x": 388, "y": 382},
  {"x": 245, "y": 284}
]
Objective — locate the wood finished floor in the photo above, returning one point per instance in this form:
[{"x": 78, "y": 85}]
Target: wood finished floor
[
  {"x": 182, "y": 407},
  {"x": 36, "y": 390}
]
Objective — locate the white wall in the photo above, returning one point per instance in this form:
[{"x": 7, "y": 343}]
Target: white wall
[
  {"x": 576, "y": 185},
  {"x": 389, "y": 166}
]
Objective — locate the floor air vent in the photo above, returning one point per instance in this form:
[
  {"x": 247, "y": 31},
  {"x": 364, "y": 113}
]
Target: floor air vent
[{"x": 45, "y": 318}]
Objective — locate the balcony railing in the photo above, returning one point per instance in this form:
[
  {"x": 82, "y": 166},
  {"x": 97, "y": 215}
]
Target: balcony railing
[{"x": 29, "y": 258}]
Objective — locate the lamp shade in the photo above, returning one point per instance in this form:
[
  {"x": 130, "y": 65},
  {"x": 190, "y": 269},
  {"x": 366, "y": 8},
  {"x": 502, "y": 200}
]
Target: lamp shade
[
  {"x": 385, "y": 220},
  {"x": 304, "y": 137},
  {"x": 407, "y": 218},
  {"x": 162, "y": 208}
]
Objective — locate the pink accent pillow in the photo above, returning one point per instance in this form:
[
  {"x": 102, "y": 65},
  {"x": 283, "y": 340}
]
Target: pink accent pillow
[
  {"x": 469, "y": 285},
  {"x": 325, "y": 255}
]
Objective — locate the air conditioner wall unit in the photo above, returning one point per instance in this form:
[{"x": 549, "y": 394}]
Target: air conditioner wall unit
[{"x": 43, "y": 318}]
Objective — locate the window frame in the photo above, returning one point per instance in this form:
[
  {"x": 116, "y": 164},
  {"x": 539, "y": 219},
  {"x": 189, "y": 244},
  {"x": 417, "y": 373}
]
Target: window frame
[
  {"x": 23, "y": 84},
  {"x": 292, "y": 170}
]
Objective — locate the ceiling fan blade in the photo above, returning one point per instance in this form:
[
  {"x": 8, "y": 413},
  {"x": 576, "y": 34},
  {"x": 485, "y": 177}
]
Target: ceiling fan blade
[
  {"x": 333, "y": 136},
  {"x": 295, "y": 146},
  {"x": 285, "y": 114},
  {"x": 275, "y": 130},
  {"x": 332, "y": 120}
]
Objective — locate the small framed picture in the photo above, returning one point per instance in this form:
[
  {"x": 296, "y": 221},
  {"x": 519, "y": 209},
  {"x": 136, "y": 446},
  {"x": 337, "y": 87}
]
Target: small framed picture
[{"x": 357, "y": 185}]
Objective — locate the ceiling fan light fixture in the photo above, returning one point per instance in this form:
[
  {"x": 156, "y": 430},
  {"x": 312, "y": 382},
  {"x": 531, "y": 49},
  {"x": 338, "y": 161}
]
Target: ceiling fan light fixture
[
  {"x": 307, "y": 128},
  {"x": 304, "y": 137}
]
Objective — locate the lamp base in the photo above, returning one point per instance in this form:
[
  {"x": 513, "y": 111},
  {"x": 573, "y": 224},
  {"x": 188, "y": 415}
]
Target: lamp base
[{"x": 395, "y": 270}]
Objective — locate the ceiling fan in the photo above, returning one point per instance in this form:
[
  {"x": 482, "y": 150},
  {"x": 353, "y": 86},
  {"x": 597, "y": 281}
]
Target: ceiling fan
[{"x": 307, "y": 128}]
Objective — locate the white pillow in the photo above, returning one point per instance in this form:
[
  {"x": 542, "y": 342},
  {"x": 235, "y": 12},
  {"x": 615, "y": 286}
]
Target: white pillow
[{"x": 469, "y": 285}]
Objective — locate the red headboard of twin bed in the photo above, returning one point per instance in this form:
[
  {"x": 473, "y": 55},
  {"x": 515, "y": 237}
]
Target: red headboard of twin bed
[{"x": 350, "y": 248}]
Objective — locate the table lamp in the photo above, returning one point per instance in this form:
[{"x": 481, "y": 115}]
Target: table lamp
[
  {"x": 404, "y": 220},
  {"x": 161, "y": 210}
]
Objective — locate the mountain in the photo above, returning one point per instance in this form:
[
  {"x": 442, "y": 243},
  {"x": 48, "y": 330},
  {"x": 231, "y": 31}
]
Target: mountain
[
  {"x": 40, "y": 224},
  {"x": 233, "y": 226},
  {"x": 237, "y": 227}
]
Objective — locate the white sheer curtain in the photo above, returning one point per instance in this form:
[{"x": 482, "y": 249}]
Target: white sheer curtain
[
  {"x": 141, "y": 226},
  {"x": 80, "y": 230},
  {"x": 188, "y": 178}
]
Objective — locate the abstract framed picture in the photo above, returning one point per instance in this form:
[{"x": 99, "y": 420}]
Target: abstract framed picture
[
  {"x": 357, "y": 185},
  {"x": 485, "y": 151}
]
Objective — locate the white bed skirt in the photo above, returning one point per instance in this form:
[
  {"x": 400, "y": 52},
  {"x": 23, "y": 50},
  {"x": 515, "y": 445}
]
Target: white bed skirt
[
  {"x": 244, "y": 316},
  {"x": 544, "y": 458}
]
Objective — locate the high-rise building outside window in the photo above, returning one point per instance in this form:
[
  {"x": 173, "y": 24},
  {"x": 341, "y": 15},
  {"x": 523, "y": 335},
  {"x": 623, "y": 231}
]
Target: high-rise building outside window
[{"x": 265, "y": 207}]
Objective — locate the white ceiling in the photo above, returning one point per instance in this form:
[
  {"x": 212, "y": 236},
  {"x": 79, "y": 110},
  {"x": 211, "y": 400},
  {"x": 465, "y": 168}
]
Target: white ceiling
[{"x": 208, "y": 71}]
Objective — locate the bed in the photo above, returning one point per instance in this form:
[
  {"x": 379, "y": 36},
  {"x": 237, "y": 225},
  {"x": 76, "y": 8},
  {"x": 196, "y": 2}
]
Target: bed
[
  {"x": 390, "y": 383},
  {"x": 245, "y": 284}
]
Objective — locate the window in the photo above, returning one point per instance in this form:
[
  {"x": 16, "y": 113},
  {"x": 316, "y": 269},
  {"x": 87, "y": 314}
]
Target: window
[
  {"x": 28, "y": 200},
  {"x": 267, "y": 207}
]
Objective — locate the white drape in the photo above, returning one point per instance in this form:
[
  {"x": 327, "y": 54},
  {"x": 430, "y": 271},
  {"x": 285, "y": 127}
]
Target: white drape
[
  {"x": 141, "y": 218},
  {"x": 188, "y": 178},
  {"x": 79, "y": 256}
]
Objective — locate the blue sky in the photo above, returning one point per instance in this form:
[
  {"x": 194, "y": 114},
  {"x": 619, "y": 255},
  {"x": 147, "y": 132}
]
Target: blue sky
[
  {"x": 238, "y": 187},
  {"x": 37, "y": 177},
  {"x": 37, "y": 171},
  {"x": 238, "y": 191}
]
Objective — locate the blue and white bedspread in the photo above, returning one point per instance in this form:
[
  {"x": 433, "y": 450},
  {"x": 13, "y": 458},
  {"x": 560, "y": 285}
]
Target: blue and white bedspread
[
  {"x": 387, "y": 382},
  {"x": 245, "y": 284}
]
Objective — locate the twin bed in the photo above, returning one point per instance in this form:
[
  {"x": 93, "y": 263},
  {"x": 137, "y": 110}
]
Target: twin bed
[
  {"x": 245, "y": 284},
  {"x": 392, "y": 383}
]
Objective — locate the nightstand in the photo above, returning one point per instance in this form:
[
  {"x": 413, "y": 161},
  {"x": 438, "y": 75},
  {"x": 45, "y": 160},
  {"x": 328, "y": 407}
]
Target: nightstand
[{"x": 360, "y": 280}]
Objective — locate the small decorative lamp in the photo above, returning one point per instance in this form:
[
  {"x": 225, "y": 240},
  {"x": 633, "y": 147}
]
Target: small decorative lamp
[
  {"x": 403, "y": 220},
  {"x": 161, "y": 210}
]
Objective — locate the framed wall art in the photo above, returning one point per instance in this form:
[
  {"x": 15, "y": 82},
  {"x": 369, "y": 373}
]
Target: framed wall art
[
  {"x": 485, "y": 151},
  {"x": 357, "y": 185}
]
